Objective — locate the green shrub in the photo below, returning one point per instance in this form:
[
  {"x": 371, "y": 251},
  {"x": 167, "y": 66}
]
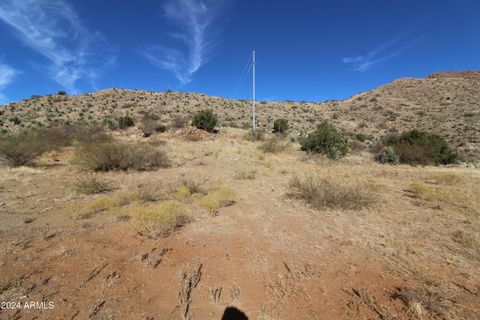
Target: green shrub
[
  {"x": 361, "y": 137},
  {"x": 160, "y": 127},
  {"x": 110, "y": 156},
  {"x": 125, "y": 122},
  {"x": 205, "y": 120},
  {"x": 280, "y": 125},
  {"x": 62, "y": 93},
  {"x": 327, "y": 140},
  {"x": 388, "y": 155},
  {"x": 112, "y": 124},
  {"x": 16, "y": 120},
  {"x": 420, "y": 147}
]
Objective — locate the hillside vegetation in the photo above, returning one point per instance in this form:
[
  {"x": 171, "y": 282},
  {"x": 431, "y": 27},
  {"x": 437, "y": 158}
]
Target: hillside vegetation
[{"x": 443, "y": 103}]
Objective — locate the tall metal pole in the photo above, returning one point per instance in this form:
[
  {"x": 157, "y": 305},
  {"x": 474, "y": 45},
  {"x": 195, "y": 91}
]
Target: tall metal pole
[{"x": 254, "y": 122}]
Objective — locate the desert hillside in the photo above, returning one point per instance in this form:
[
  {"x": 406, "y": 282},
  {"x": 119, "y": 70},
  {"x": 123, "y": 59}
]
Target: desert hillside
[
  {"x": 443, "y": 103},
  {"x": 198, "y": 220}
]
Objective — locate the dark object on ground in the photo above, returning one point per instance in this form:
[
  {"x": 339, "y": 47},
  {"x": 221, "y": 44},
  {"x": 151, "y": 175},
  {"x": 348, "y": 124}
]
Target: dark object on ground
[{"x": 232, "y": 313}]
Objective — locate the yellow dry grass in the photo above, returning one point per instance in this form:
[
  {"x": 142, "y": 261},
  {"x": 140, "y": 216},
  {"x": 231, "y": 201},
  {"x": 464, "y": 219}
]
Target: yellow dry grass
[
  {"x": 221, "y": 197},
  {"x": 104, "y": 203},
  {"x": 158, "y": 220},
  {"x": 245, "y": 174},
  {"x": 446, "y": 178},
  {"x": 328, "y": 192}
]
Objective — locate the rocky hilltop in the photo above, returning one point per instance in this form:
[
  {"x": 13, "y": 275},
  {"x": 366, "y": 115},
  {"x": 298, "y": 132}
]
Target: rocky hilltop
[{"x": 475, "y": 75}]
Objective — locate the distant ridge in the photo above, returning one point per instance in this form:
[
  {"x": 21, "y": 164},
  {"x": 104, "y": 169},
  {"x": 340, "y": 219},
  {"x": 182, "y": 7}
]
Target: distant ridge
[{"x": 474, "y": 74}]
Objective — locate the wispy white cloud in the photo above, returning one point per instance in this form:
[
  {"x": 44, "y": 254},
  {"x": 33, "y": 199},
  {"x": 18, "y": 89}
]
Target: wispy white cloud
[
  {"x": 7, "y": 74},
  {"x": 53, "y": 29},
  {"x": 382, "y": 53},
  {"x": 193, "y": 21}
]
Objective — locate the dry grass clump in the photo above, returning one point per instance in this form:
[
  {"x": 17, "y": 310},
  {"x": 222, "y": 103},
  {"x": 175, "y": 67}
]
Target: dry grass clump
[
  {"x": 321, "y": 193},
  {"x": 425, "y": 302},
  {"x": 221, "y": 197},
  {"x": 187, "y": 189},
  {"x": 446, "y": 178},
  {"x": 91, "y": 185},
  {"x": 159, "y": 220},
  {"x": 430, "y": 193},
  {"x": 422, "y": 191},
  {"x": 273, "y": 145},
  {"x": 466, "y": 239},
  {"x": 119, "y": 199},
  {"x": 257, "y": 135},
  {"x": 105, "y": 203},
  {"x": 110, "y": 156},
  {"x": 245, "y": 174}
]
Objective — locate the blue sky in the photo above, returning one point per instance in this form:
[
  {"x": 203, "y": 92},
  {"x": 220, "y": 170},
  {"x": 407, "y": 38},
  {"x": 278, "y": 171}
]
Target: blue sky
[{"x": 306, "y": 50}]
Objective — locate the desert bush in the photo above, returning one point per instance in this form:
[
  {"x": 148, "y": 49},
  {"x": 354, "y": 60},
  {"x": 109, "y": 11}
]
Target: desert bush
[
  {"x": 361, "y": 137},
  {"x": 112, "y": 124},
  {"x": 159, "y": 220},
  {"x": 257, "y": 135},
  {"x": 206, "y": 120},
  {"x": 179, "y": 122},
  {"x": 388, "y": 155},
  {"x": 280, "y": 125},
  {"x": 125, "y": 122},
  {"x": 67, "y": 135},
  {"x": 327, "y": 140},
  {"x": 15, "y": 120},
  {"x": 91, "y": 185},
  {"x": 108, "y": 156},
  {"x": 160, "y": 127},
  {"x": 273, "y": 145},
  {"x": 149, "y": 115},
  {"x": 420, "y": 147},
  {"x": 24, "y": 147},
  {"x": 356, "y": 146},
  {"x": 148, "y": 127},
  {"x": 324, "y": 193},
  {"x": 20, "y": 150}
]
